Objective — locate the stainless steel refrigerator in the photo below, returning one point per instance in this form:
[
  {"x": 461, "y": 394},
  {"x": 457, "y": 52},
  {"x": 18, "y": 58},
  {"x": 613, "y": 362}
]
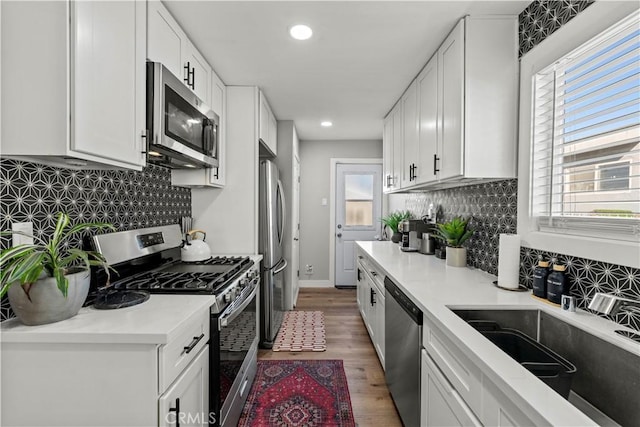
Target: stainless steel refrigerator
[{"x": 271, "y": 234}]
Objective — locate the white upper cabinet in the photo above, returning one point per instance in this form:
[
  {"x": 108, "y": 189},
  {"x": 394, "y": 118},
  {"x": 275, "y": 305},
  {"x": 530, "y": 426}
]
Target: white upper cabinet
[
  {"x": 465, "y": 113},
  {"x": 429, "y": 122},
  {"x": 451, "y": 61},
  {"x": 268, "y": 126},
  {"x": 398, "y": 132},
  {"x": 108, "y": 40},
  {"x": 92, "y": 90},
  {"x": 387, "y": 153},
  {"x": 198, "y": 73},
  {"x": 168, "y": 44},
  {"x": 409, "y": 103}
]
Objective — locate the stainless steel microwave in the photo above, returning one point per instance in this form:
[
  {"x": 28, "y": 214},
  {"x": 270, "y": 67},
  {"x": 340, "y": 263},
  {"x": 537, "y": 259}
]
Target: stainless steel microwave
[{"x": 183, "y": 131}]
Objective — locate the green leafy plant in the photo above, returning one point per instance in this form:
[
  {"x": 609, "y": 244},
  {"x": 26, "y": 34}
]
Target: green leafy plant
[
  {"x": 25, "y": 264},
  {"x": 394, "y": 219},
  {"x": 455, "y": 232}
]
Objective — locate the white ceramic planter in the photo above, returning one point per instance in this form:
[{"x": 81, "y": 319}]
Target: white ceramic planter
[
  {"x": 456, "y": 257},
  {"x": 45, "y": 303}
]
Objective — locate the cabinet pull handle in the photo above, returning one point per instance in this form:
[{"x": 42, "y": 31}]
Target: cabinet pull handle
[
  {"x": 193, "y": 344},
  {"x": 143, "y": 136},
  {"x": 372, "y": 296},
  {"x": 435, "y": 164},
  {"x": 359, "y": 275},
  {"x": 415, "y": 175},
  {"x": 192, "y": 73},
  {"x": 215, "y": 175},
  {"x": 187, "y": 69},
  {"x": 177, "y": 411}
]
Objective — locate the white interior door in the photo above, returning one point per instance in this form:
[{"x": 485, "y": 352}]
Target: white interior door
[{"x": 358, "y": 209}]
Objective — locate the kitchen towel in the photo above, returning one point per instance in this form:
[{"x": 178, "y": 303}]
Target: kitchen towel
[{"x": 509, "y": 261}]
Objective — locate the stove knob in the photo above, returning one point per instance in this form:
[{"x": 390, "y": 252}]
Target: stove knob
[
  {"x": 243, "y": 283},
  {"x": 227, "y": 297}
]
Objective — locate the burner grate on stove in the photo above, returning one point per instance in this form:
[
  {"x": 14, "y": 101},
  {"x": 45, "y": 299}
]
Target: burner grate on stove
[{"x": 185, "y": 281}]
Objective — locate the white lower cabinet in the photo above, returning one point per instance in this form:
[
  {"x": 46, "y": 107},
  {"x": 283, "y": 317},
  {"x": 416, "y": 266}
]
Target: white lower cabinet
[
  {"x": 441, "y": 405},
  {"x": 186, "y": 402},
  {"x": 371, "y": 303},
  {"x": 455, "y": 392},
  {"x": 107, "y": 383}
]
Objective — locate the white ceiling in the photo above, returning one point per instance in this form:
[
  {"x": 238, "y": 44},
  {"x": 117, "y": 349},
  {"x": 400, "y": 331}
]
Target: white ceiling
[{"x": 357, "y": 64}]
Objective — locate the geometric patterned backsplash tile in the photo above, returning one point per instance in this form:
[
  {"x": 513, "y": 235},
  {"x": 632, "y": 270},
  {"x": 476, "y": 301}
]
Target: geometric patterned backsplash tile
[
  {"x": 543, "y": 17},
  {"x": 588, "y": 277},
  {"x": 492, "y": 209},
  {"x": 127, "y": 199}
]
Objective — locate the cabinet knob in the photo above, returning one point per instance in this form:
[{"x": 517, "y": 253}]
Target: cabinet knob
[{"x": 339, "y": 235}]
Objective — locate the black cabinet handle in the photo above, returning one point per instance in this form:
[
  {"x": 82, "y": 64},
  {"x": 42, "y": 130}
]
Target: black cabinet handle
[
  {"x": 388, "y": 180},
  {"x": 435, "y": 164},
  {"x": 415, "y": 175},
  {"x": 190, "y": 75},
  {"x": 372, "y": 296},
  {"x": 177, "y": 411},
  {"x": 193, "y": 344},
  {"x": 187, "y": 72},
  {"x": 215, "y": 175},
  {"x": 359, "y": 275}
]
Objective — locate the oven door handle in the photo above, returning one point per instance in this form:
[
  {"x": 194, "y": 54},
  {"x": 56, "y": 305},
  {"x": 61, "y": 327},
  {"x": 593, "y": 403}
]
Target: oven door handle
[{"x": 228, "y": 317}]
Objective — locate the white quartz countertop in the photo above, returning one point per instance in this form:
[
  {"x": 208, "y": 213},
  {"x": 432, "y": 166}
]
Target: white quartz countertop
[
  {"x": 155, "y": 321},
  {"x": 436, "y": 288}
]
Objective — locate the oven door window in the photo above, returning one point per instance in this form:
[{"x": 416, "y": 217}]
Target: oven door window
[
  {"x": 184, "y": 123},
  {"x": 235, "y": 342}
]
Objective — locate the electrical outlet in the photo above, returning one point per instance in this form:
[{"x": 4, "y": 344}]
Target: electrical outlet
[
  {"x": 24, "y": 227},
  {"x": 309, "y": 268}
]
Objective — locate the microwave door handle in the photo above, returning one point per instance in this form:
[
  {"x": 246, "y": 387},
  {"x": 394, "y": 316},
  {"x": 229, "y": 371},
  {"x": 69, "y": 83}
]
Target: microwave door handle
[{"x": 206, "y": 135}]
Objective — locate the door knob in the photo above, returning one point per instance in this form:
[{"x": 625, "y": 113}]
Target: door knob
[
  {"x": 339, "y": 225},
  {"x": 339, "y": 234}
]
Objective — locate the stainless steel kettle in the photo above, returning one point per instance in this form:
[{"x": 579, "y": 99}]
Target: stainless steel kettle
[{"x": 194, "y": 249}]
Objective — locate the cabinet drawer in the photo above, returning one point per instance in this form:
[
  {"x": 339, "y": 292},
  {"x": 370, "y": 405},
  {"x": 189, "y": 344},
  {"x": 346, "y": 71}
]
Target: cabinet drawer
[
  {"x": 177, "y": 354},
  {"x": 463, "y": 375}
]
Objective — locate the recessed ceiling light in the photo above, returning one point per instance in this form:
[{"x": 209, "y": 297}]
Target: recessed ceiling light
[
  {"x": 326, "y": 124},
  {"x": 300, "y": 32}
]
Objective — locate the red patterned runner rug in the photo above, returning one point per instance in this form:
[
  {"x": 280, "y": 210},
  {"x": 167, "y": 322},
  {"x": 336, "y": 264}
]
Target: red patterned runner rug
[
  {"x": 301, "y": 331},
  {"x": 298, "y": 393}
]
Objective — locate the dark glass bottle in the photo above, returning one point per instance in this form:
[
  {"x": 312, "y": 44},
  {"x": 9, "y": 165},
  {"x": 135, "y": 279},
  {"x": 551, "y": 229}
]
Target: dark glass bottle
[
  {"x": 557, "y": 284},
  {"x": 540, "y": 279}
]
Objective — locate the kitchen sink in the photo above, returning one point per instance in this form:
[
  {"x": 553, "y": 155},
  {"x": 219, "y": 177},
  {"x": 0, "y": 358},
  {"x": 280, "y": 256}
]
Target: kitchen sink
[{"x": 607, "y": 377}]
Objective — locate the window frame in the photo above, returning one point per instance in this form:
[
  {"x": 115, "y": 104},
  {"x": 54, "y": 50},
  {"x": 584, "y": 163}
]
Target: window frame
[{"x": 599, "y": 246}]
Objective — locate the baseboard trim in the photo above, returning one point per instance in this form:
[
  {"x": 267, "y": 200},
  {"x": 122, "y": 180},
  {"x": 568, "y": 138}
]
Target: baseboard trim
[{"x": 315, "y": 284}]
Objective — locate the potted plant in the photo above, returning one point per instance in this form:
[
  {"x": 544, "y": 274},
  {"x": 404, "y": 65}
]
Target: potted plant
[
  {"x": 46, "y": 282},
  {"x": 393, "y": 221},
  {"x": 454, "y": 233}
]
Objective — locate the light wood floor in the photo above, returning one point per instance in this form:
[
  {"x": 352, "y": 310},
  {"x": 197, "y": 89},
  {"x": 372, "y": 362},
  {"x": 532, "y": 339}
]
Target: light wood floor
[{"x": 347, "y": 339}]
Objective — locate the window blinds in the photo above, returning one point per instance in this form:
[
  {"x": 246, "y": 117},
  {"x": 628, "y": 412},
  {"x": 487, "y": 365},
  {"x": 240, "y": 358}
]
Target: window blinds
[{"x": 586, "y": 136}]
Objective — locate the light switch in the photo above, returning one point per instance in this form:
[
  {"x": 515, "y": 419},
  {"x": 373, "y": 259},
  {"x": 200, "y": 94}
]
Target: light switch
[
  {"x": 323, "y": 202},
  {"x": 25, "y": 227}
]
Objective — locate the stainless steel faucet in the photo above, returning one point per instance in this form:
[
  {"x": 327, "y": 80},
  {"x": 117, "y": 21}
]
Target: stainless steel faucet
[{"x": 611, "y": 304}]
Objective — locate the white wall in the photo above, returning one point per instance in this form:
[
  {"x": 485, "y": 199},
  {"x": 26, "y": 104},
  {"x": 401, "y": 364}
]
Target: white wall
[
  {"x": 314, "y": 186},
  {"x": 230, "y": 215}
]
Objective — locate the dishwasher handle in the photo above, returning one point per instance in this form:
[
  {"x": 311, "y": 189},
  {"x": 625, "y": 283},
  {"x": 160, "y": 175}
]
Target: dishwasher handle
[{"x": 403, "y": 301}]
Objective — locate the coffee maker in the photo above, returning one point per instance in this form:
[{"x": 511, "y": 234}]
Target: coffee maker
[{"x": 412, "y": 231}]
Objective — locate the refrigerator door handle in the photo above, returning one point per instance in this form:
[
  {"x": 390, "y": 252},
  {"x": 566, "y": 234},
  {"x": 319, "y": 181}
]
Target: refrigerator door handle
[
  {"x": 283, "y": 211},
  {"x": 279, "y": 269}
]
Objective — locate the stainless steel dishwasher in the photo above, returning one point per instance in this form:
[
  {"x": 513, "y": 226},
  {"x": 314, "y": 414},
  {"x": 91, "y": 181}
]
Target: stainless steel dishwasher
[{"x": 403, "y": 332}]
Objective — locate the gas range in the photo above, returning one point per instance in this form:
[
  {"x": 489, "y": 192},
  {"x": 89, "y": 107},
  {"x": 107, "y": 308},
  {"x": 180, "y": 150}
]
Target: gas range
[{"x": 148, "y": 260}]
